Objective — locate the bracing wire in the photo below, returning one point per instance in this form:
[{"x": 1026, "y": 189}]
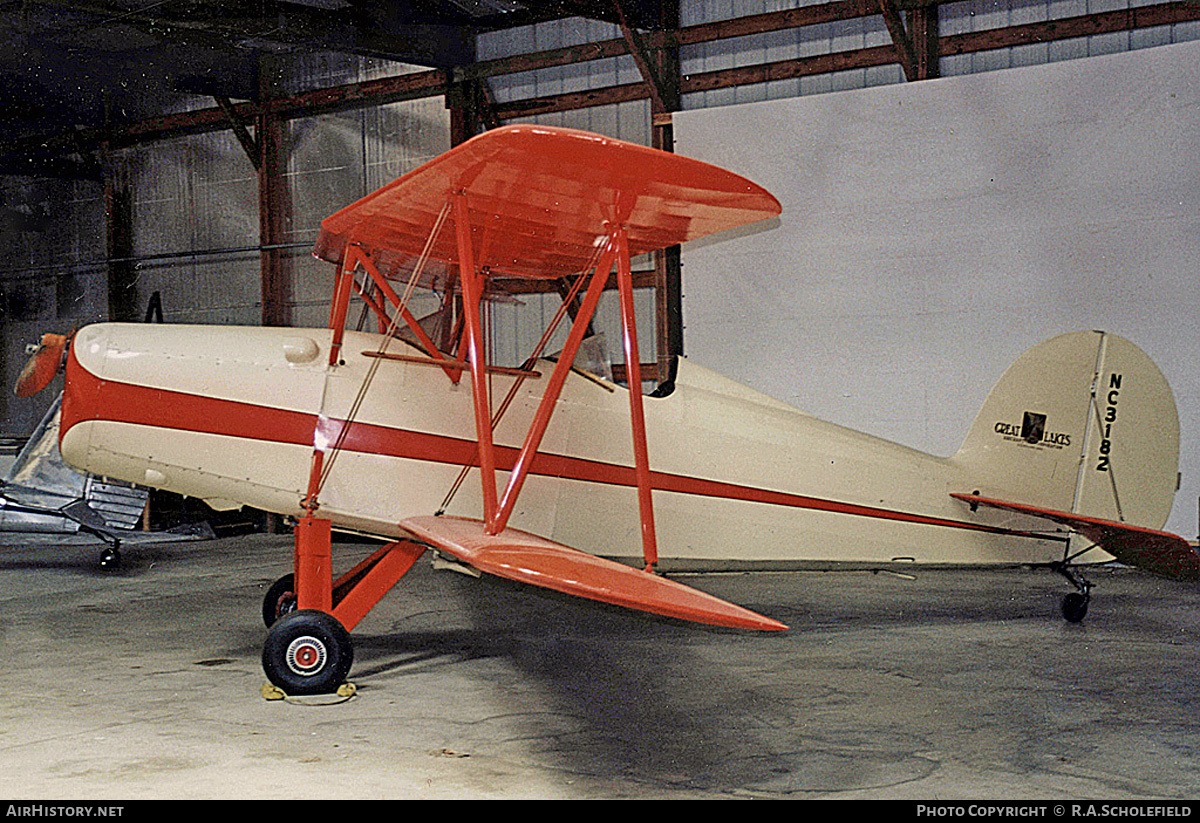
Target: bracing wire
[
  {"x": 388, "y": 336},
  {"x": 529, "y": 361}
]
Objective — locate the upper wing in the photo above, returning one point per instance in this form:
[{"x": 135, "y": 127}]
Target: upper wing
[
  {"x": 1154, "y": 551},
  {"x": 540, "y": 199},
  {"x": 520, "y": 556}
]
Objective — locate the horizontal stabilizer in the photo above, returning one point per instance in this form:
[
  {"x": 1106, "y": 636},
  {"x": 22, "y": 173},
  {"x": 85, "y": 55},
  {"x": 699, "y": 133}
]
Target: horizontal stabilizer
[
  {"x": 1157, "y": 552},
  {"x": 526, "y": 558}
]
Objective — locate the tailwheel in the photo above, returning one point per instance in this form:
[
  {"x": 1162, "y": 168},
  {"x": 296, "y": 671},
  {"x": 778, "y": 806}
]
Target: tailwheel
[
  {"x": 1074, "y": 604},
  {"x": 307, "y": 652},
  {"x": 279, "y": 600}
]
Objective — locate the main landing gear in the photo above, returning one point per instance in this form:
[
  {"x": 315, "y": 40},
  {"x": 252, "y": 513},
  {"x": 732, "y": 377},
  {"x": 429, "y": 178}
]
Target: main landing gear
[
  {"x": 309, "y": 615},
  {"x": 307, "y": 652},
  {"x": 1075, "y": 606}
]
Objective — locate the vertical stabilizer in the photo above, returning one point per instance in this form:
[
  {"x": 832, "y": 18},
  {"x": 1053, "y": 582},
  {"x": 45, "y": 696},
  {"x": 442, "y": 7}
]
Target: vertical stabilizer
[{"x": 1084, "y": 423}]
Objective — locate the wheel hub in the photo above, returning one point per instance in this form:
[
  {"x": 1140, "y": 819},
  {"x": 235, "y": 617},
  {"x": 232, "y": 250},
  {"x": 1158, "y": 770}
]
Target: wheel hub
[{"x": 306, "y": 656}]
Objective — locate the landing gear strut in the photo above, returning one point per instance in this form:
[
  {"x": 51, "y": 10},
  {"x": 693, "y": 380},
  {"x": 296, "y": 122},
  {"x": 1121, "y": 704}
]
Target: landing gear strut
[
  {"x": 110, "y": 557},
  {"x": 309, "y": 615},
  {"x": 1074, "y": 604}
]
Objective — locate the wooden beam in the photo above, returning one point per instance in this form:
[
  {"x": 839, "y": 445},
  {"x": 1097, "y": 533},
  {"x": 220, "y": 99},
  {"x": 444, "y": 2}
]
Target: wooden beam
[
  {"x": 668, "y": 273},
  {"x": 650, "y": 373},
  {"x": 1087, "y": 25},
  {"x": 462, "y": 113},
  {"x": 650, "y": 75},
  {"x": 472, "y": 108},
  {"x": 923, "y": 27},
  {"x": 274, "y": 209},
  {"x": 123, "y": 304},
  {"x": 901, "y": 39},
  {"x": 247, "y": 141}
]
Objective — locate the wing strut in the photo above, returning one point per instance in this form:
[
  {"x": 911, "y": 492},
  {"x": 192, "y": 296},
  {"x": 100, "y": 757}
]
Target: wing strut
[
  {"x": 498, "y": 508},
  {"x": 472, "y": 297},
  {"x": 633, "y": 371}
]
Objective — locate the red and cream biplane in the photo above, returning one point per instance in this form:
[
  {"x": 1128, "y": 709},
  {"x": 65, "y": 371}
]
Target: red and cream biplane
[{"x": 571, "y": 477}]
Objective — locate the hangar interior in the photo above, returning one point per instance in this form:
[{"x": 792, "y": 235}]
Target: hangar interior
[{"x": 960, "y": 180}]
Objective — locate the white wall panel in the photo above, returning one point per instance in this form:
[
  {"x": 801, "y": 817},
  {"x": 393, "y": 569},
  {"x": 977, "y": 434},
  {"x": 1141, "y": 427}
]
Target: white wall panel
[{"x": 931, "y": 232}]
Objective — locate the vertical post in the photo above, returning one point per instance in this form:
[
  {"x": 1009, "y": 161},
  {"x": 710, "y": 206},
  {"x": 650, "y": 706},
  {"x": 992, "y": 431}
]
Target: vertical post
[
  {"x": 923, "y": 24},
  {"x": 459, "y": 102},
  {"x": 668, "y": 304},
  {"x": 274, "y": 202},
  {"x": 633, "y": 370},
  {"x": 122, "y": 276},
  {"x": 472, "y": 296},
  {"x": 668, "y": 277}
]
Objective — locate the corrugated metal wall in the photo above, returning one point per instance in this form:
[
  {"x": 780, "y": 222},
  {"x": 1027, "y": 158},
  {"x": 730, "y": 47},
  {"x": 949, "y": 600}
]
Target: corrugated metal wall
[
  {"x": 200, "y": 194},
  {"x": 626, "y": 121},
  {"x": 49, "y": 231},
  {"x": 517, "y": 327},
  {"x": 192, "y": 197},
  {"x": 783, "y": 45},
  {"x": 981, "y": 15}
]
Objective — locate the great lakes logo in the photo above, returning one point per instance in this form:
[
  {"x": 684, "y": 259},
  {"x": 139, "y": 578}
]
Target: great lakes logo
[{"x": 1032, "y": 432}]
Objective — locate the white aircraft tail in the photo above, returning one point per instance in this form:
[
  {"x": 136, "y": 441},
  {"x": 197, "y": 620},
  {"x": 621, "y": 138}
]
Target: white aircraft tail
[{"x": 1083, "y": 423}]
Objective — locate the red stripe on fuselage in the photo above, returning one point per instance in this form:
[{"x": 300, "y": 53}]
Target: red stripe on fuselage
[{"x": 87, "y": 397}]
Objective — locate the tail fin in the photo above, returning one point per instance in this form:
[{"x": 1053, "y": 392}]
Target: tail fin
[{"x": 1083, "y": 423}]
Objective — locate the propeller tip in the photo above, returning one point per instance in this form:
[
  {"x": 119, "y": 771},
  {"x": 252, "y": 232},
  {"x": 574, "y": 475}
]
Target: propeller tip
[{"x": 43, "y": 365}]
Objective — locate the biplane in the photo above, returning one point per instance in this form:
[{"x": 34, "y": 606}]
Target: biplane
[{"x": 542, "y": 473}]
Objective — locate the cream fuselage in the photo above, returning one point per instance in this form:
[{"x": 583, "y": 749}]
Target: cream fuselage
[{"x": 231, "y": 415}]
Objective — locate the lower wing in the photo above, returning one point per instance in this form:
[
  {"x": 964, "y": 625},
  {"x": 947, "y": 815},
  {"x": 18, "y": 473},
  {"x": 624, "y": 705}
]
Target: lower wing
[{"x": 527, "y": 558}]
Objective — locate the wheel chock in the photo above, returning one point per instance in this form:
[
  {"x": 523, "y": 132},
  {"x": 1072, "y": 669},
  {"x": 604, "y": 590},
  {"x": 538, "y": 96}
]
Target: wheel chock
[{"x": 344, "y": 692}]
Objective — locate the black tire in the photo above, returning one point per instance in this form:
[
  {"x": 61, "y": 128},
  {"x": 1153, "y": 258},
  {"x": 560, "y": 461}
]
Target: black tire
[
  {"x": 307, "y": 652},
  {"x": 110, "y": 559},
  {"x": 1074, "y": 607},
  {"x": 279, "y": 600}
]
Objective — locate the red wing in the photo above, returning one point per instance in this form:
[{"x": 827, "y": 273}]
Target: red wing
[
  {"x": 1154, "y": 551},
  {"x": 540, "y": 200},
  {"x": 526, "y": 558}
]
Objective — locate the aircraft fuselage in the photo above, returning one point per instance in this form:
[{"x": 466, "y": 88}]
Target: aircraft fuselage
[{"x": 231, "y": 415}]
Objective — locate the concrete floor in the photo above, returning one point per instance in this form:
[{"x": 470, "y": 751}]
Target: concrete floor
[{"x": 145, "y": 683}]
